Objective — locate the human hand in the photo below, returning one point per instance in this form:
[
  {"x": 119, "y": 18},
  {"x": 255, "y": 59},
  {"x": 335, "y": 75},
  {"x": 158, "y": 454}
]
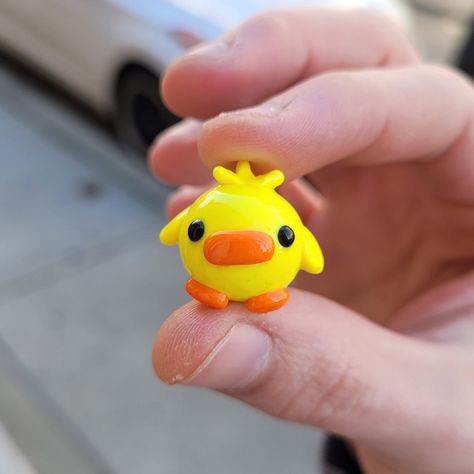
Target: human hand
[{"x": 379, "y": 347}]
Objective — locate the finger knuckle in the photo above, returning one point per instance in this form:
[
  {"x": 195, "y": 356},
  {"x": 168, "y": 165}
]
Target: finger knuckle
[
  {"x": 380, "y": 22},
  {"x": 377, "y": 18},
  {"x": 389, "y": 34},
  {"x": 326, "y": 394},
  {"x": 341, "y": 393},
  {"x": 272, "y": 23}
]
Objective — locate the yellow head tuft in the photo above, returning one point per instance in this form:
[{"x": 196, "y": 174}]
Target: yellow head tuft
[{"x": 243, "y": 175}]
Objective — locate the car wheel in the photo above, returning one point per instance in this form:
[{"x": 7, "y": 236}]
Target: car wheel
[{"x": 140, "y": 113}]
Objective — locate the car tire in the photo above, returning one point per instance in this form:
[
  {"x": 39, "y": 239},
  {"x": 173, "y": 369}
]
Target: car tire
[{"x": 140, "y": 113}]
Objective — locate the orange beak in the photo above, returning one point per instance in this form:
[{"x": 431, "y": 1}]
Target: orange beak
[{"x": 238, "y": 247}]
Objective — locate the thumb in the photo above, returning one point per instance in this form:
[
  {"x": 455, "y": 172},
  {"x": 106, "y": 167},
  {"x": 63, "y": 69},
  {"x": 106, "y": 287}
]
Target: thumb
[{"x": 312, "y": 361}]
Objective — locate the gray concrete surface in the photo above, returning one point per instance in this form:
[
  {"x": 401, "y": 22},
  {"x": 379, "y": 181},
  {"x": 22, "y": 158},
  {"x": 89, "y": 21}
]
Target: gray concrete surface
[
  {"x": 12, "y": 459},
  {"x": 84, "y": 285}
]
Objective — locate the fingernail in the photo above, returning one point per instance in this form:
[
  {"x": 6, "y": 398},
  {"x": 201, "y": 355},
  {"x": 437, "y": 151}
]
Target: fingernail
[
  {"x": 213, "y": 50},
  {"x": 185, "y": 129},
  {"x": 266, "y": 109},
  {"x": 236, "y": 362}
]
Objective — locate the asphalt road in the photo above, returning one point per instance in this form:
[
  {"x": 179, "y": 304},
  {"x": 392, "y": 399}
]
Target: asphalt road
[{"x": 84, "y": 285}]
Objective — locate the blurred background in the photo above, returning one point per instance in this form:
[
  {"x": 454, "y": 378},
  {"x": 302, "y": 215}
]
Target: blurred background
[{"x": 84, "y": 284}]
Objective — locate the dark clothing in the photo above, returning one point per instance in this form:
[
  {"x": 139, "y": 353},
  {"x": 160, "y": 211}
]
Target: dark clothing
[{"x": 339, "y": 458}]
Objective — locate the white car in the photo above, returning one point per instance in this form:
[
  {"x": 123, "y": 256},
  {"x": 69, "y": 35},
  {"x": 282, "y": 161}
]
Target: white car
[{"x": 110, "y": 53}]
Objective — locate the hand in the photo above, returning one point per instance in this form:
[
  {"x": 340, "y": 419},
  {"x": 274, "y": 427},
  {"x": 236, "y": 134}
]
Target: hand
[{"x": 379, "y": 347}]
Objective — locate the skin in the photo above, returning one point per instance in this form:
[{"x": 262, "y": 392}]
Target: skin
[{"x": 379, "y": 347}]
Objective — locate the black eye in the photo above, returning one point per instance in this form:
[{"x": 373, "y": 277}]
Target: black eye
[
  {"x": 286, "y": 236},
  {"x": 196, "y": 230}
]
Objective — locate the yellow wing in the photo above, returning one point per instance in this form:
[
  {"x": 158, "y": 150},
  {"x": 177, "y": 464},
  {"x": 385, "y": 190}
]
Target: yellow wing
[
  {"x": 313, "y": 259},
  {"x": 169, "y": 235}
]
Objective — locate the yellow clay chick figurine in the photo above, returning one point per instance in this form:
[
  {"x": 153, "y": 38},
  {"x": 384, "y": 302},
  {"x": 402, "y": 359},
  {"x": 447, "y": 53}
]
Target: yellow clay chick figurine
[{"x": 242, "y": 241}]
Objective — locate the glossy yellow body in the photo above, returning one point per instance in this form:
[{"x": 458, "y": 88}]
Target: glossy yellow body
[{"x": 244, "y": 202}]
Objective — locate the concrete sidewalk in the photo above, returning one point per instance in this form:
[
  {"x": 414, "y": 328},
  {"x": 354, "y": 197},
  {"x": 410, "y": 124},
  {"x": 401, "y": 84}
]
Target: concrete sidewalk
[{"x": 12, "y": 461}]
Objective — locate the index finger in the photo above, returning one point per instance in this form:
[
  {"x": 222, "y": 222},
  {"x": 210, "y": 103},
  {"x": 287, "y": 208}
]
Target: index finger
[
  {"x": 274, "y": 50},
  {"x": 413, "y": 114}
]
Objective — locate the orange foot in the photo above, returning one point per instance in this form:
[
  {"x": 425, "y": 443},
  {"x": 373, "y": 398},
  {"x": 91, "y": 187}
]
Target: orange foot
[
  {"x": 268, "y": 301},
  {"x": 206, "y": 295}
]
